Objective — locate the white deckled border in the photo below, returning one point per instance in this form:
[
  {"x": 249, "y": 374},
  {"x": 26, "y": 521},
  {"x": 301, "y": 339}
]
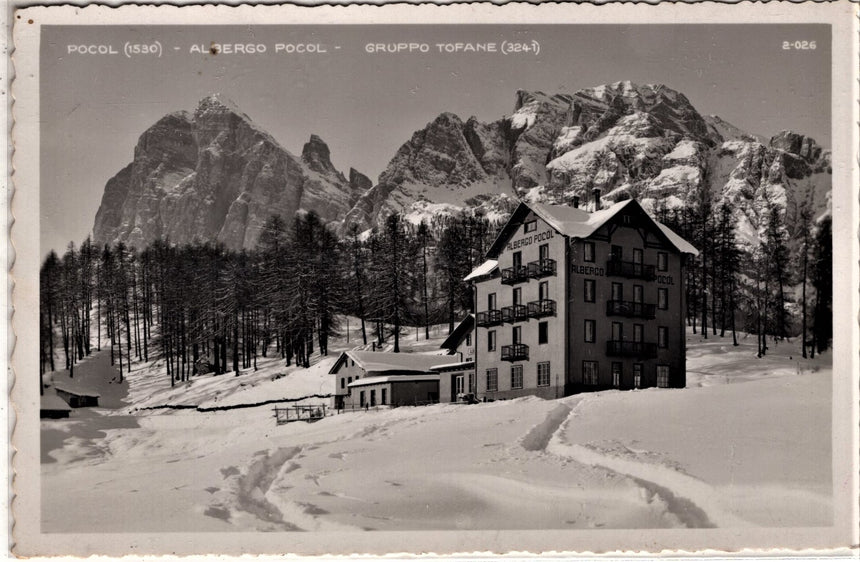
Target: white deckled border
[{"x": 773, "y": 542}]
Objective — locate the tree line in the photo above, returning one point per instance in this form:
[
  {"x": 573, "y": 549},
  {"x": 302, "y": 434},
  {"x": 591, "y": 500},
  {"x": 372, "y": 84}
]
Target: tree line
[
  {"x": 776, "y": 282},
  {"x": 201, "y": 307}
]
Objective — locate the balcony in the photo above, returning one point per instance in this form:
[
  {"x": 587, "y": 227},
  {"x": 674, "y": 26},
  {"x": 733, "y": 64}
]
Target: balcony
[
  {"x": 541, "y": 308},
  {"x": 514, "y": 275},
  {"x": 515, "y": 352},
  {"x": 631, "y": 270},
  {"x": 542, "y": 268},
  {"x": 641, "y": 350},
  {"x": 489, "y": 318},
  {"x": 630, "y": 309},
  {"x": 515, "y": 313}
]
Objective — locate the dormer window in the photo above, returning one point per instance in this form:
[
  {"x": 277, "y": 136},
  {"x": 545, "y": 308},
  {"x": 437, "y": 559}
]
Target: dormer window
[{"x": 531, "y": 226}]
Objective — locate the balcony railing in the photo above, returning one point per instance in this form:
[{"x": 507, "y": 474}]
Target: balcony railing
[
  {"x": 515, "y": 352},
  {"x": 542, "y": 268},
  {"x": 631, "y": 270},
  {"x": 514, "y": 275},
  {"x": 515, "y": 313},
  {"x": 642, "y": 350},
  {"x": 541, "y": 308},
  {"x": 489, "y": 318},
  {"x": 631, "y": 309}
]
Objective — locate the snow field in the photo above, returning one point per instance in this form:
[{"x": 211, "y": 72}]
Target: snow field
[{"x": 746, "y": 444}]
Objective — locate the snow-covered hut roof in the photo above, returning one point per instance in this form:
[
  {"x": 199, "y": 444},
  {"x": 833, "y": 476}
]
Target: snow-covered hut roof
[
  {"x": 382, "y": 361},
  {"x": 456, "y": 337},
  {"x": 76, "y": 391},
  {"x": 576, "y": 223},
  {"x": 485, "y": 268},
  {"x": 392, "y": 378},
  {"x": 52, "y": 402}
]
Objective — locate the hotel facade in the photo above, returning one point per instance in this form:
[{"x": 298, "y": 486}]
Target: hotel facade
[{"x": 571, "y": 301}]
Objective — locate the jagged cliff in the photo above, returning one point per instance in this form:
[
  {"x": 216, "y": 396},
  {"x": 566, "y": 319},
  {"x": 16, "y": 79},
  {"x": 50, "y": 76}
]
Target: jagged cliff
[
  {"x": 215, "y": 175},
  {"x": 627, "y": 140}
]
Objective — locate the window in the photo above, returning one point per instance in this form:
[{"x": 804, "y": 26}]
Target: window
[
  {"x": 543, "y": 373},
  {"x": 589, "y": 372},
  {"x": 663, "y": 298},
  {"x": 663, "y": 376},
  {"x": 469, "y": 339},
  {"x": 361, "y": 398},
  {"x": 516, "y": 376},
  {"x": 627, "y": 219},
  {"x": 617, "y": 253},
  {"x": 349, "y": 380},
  {"x": 373, "y": 398},
  {"x": 491, "y": 301},
  {"x": 343, "y": 382},
  {"x": 543, "y": 290},
  {"x": 531, "y": 226},
  {"x": 617, "y": 331},
  {"x": 638, "y": 333},
  {"x": 638, "y": 292},
  {"x": 589, "y": 331},
  {"x": 384, "y": 398},
  {"x": 617, "y": 292},
  {"x": 517, "y": 334},
  {"x": 637, "y": 375},
  {"x": 518, "y": 260},
  {"x": 492, "y": 380},
  {"x": 616, "y": 375},
  {"x": 662, "y": 261},
  {"x": 588, "y": 287},
  {"x": 491, "y": 340},
  {"x": 544, "y": 251},
  {"x": 663, "y": 337},
  {"x": 518, "y": 296},
  {"x": 588, "y": 251},
  {"x": 352, "y": 363},
  {"x": 543, "y": 332},
  {"x": 637, "y": 255}
]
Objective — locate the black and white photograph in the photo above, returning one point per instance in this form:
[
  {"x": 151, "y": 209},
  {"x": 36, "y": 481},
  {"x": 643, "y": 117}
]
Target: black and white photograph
[{"x": 332, "y": 277}]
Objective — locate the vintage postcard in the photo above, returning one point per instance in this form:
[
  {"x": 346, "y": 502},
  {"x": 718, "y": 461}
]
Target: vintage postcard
[{"x": 435, "y": 280}]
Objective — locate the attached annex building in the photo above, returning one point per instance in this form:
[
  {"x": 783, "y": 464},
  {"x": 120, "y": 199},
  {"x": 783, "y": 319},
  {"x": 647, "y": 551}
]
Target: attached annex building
[{"x": 571, "y": 301}]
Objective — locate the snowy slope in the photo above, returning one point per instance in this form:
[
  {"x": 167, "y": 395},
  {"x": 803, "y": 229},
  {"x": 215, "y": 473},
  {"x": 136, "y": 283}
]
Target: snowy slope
[{"x": 746, "y": 444}]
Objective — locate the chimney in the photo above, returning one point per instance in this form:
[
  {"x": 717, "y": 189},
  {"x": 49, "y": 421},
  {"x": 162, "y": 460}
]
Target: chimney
[
  {"x": 576, "y": 201},
  {"x": 596, "y": 193}
]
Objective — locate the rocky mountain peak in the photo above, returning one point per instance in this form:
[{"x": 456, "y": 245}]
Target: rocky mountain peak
[
  {"x": 317, "y": 155},
  {"x": 798, "y": 144}
]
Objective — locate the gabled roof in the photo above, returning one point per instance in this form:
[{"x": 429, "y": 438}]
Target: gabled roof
[
  {"x": 461, "y": 366},
  {"x": 383, "y": 361},
  {"x": 53, "y": 402},
  {"x": 576, "y": 223},
  {"x": 456, "y": 337},
  {"x": 485, "y": 268}
]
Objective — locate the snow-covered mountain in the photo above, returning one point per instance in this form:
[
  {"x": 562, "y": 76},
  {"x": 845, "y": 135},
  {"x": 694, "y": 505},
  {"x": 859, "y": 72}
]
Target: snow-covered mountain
[
  {"x": 215, "y": 175},
  {"x": 627, "y": 140}
]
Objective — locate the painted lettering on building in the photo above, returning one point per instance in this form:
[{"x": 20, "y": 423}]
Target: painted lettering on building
[
  {"x": 530, "y": 239},
  {"x": 588, "y": 270},
  {"x": 665, "y": 280}
]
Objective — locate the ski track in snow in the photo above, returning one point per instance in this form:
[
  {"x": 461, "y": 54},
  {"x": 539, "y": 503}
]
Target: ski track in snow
[{"x": 683, "y": 495}]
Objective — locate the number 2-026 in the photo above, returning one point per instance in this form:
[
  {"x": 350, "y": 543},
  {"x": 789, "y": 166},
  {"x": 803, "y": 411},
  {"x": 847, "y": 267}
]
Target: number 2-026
[{"x": 798, "y": 45}]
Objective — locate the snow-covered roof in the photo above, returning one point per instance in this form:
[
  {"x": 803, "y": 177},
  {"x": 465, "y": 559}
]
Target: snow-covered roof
[
  {"x": 76, "y": 391},
  {"x": 456, "y": 337},
  {"x": 53, "y": 402},
  {"x": 381, "y": 361},
  {"x": 463, "y": 365},
  {"x": 484, "y": 269},
  {"x": 577, "y": 223},
  {"x": 392, "y": 378}
]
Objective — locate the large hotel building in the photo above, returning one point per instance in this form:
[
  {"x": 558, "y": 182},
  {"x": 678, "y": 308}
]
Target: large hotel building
[{"x": 570, "y": 301}]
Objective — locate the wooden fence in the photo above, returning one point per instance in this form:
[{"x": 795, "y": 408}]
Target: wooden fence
[{"x": 308, "y": 413}]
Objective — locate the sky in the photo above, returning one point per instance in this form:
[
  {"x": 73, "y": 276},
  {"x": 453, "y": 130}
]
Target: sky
[{"x": 365, "y": 105}]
